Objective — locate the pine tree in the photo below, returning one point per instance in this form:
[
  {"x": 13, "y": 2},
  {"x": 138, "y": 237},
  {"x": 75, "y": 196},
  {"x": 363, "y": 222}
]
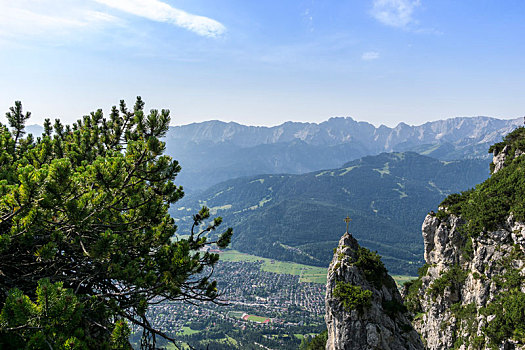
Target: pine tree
[{"x": 84, "y": 209}]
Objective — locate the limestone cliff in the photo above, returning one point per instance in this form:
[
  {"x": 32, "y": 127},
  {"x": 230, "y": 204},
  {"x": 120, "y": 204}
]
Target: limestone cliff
[
  {"x": 462, "y": 283},
  {"x": 471, "y": 292},
  {"x": 364, "y": 308}
]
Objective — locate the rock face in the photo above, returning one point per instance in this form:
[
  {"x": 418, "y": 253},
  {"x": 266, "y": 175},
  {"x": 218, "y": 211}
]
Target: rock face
[
  {"x": 380, "y": 323},
  {"x": 471, "y": 291},
  {"x": 500, "y": 158},
  {"x": 450, "y": 315}
]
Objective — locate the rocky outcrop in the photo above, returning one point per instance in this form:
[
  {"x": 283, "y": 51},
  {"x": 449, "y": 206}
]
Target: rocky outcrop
[
  {"x": 500, "y": 158},
  {"x": 471, "y": 291},
  {"x": 470, "y": 294},
  {"x": 462, "y": 279},
  {"x": 364, "y": 308}
]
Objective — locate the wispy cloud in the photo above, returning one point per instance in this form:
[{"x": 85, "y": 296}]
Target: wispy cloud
[
  {"x": 161, "y": 12},
  {"x": 395, "y": 13},
  {"x": 46, "y": 19},
  {"x": 370, "y": 55},
  {"x": 308, "y": 19}
]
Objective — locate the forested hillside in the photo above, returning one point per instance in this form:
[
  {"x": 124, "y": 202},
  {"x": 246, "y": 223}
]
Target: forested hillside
[{"x": 289, "y": 217}]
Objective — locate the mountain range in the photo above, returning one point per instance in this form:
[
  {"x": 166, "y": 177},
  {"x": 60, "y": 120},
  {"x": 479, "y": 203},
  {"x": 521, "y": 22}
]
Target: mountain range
[{"x": 214, "y": 151}]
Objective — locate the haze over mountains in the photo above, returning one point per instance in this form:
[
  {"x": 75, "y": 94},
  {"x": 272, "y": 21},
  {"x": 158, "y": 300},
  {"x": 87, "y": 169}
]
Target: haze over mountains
[{"x": 214, "y": 151}]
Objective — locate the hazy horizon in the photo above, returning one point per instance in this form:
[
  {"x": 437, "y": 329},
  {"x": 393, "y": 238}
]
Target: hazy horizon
[{"x": 30, "y": 124}]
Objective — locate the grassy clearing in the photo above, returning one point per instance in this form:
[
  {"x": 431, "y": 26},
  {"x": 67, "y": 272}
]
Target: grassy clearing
[
  {"x": 227, "y": 341},
  {"x": 401, "y": 279},
  {"x": 235, "y": 314},
  {"x": 233, "y": 255},
  {"x": 307, "y": 273},
  {"x": 187, "y": 331},
  {"x": 320, "y": 278},
  {"x": 183, "y": 346},
  {"x": 302, "y": 336}
]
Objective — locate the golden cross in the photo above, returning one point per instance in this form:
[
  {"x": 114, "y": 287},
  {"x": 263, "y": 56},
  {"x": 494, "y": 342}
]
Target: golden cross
[{"x": 347, "y": 220}]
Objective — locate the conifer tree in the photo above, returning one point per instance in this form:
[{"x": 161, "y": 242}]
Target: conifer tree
[{"x": 85, "y": 232}]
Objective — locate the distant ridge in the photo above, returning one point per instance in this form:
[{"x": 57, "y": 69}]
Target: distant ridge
[
  {"x": 214, "y": 151},
  {"x": 345, "y": 129}
]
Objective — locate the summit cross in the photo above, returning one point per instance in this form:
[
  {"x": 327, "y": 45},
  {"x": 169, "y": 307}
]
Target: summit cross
[{"x": 347, "y": 220}]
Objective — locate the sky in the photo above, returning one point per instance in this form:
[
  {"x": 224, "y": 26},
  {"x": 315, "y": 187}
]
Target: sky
[{"x": 265, "y": 62}]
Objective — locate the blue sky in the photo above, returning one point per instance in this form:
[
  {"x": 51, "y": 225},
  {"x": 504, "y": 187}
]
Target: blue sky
[{"x": 266, "y": 62}]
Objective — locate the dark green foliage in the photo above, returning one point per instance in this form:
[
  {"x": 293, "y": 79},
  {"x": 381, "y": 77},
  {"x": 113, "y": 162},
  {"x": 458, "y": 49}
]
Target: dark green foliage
[
  {"x": 17, "y": 120},
  {"x": 465, "y": 316},
  {"x": 509, "y": 309},
  {"x": 488, "y": 205},
  {"x": 512, "y": 279},
  {"x": 316, "y": 343},
  {"x": 393, "y": 307},
  {"x": 422, "y": 271},
  {"x": 453, "y": 204},
  {"x": 55, "y": 319},
  {"x": 352, "y": 297},
  {"x": 450, "y": 278},
  {"x": 371, "y": 265},
  {"x": 412, "y": 299},
  {"x": 86, "y": 206},
  {"x": 509, "y": 305},
  {"x": 468, "y": 249},
  {"x": 464, "y": 312}
]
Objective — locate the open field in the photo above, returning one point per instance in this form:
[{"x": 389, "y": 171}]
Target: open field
[
  {"x": 307, "y": 273},
  {"x": 182, "y": 346},
  {"x": 187, "y": 331},
  {"x": 401, "y": 279},
  {"x": 314, "y": 276},
  {"x": 236, "y": 314},
  {"x": 234, "y": 255},
  {"x": 253, "y": 318}
]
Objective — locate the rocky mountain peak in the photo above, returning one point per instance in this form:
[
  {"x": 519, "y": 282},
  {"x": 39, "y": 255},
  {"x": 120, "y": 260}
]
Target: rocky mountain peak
[{"x": 364, "y": 309}]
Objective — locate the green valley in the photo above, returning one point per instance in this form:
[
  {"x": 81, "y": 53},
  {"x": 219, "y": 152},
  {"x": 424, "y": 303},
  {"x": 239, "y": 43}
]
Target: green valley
[{"x": 287, "y": 217}]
